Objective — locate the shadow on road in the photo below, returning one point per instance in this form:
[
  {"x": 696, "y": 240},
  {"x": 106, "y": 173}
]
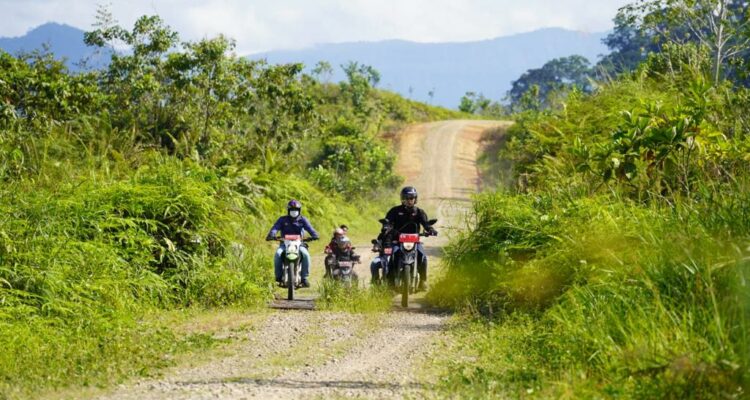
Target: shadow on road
[{"x": 418, "y": 305}]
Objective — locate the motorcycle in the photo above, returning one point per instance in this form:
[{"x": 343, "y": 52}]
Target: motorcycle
[
  {"x": 407, "y": 278},
  {"x": 379, "y": 266},
  {"x": 291, "y": 261},
  {"x": 342, "y": 265}
]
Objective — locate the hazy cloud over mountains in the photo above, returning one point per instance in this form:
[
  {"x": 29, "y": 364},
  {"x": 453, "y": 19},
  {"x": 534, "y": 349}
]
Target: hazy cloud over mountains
[{"x": 260, "y": 25}]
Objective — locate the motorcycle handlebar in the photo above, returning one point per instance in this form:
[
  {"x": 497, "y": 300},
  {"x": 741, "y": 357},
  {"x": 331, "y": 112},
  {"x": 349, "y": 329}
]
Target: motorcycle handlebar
[{"x": 269, "y": 239}]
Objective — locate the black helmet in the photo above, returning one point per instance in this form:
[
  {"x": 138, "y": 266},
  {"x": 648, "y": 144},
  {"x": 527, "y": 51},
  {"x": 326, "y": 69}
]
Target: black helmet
[{"x": 408, "y": 192}]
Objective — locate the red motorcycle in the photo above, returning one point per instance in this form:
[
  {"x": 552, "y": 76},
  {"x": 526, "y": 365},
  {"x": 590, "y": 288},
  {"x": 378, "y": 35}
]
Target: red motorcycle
[{"x": 407, "y": 278}]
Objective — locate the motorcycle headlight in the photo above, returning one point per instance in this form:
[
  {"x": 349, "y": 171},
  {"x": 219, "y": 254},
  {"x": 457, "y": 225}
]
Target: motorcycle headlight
[{"x": 408, "y": 246}]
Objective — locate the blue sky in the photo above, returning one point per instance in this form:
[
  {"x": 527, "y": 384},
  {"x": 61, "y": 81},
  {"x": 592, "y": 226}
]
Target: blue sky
[{"x": 286, "y": 24}]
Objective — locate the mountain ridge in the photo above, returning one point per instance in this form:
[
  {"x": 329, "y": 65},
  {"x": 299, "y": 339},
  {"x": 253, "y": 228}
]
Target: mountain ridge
[
  {"x": 64, "y": 41},
  {"x": 433, "y": 72},
  {"x": 449, "y": 69}
]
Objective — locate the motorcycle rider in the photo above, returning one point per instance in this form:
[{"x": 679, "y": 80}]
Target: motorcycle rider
[
  {"x": 292, "y": 224},
  {"x": 344, "y": 251},
  {"x": 407, "y": 218},
  {"x": 331, "y": 258},
  {"x": 385, "y": 239}
]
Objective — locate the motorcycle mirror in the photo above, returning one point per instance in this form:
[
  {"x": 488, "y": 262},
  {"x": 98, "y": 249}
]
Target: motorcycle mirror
[
  {"x": 374, "y": 241},
  {"x": 431, "y": 222}
]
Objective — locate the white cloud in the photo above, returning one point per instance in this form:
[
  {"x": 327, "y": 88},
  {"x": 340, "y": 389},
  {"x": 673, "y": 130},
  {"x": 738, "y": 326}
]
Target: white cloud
[{"x": 259, "y": 25}]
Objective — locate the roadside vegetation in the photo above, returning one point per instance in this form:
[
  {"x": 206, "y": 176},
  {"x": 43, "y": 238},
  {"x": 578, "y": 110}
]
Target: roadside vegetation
[
  {"x": 357, "y": 298},
  {"x": 149, "y": 186},
  {"x": 614, "y": 261}
]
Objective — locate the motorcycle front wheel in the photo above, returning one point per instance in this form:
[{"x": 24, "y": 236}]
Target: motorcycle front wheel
[
  {"x": 291, "y": 282},
  {"x": 405, "y": 285}
]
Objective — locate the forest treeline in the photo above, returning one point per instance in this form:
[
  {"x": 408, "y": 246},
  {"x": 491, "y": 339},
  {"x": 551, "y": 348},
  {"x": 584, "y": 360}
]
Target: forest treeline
[
  {"x": 613, "y": 259},
  {"x": 149, "y": 185}
]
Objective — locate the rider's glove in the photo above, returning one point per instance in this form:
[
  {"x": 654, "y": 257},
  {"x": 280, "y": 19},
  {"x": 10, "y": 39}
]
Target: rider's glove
[{"x": 433, "y": 232}]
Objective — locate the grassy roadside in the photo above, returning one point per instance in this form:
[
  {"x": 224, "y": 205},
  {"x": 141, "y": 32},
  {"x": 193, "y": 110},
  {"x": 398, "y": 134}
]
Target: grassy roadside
[
  {"x": 129, "y": 332},
  {"x": 594, "y": 298},
  {"x": 215, "y": 332}
]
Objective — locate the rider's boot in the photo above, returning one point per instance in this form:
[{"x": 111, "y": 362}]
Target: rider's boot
[
  {"x": 422, "y": 286},
  {"x": 305, "y": 282}
]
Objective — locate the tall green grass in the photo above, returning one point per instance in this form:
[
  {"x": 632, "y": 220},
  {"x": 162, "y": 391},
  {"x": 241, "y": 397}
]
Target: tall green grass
[
  {"x": 619, "y": 267},
  {"x": 600, "y": 296},
  {"x": 82, "y": 261},
  {"x": 357, "y": 298}
]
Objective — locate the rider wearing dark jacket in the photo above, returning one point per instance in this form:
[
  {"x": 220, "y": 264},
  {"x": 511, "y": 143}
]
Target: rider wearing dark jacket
[
  {"x": 292, "y": 224},
  {"x": 408, "y": 218}
]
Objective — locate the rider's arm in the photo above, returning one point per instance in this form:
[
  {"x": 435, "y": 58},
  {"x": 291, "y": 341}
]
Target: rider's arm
[
  {"x": 392, "y": 217},
  {"x": 306, "y": 225},
  {"x": 275, "y": 228},
  {"x": 423, "y": 221}
]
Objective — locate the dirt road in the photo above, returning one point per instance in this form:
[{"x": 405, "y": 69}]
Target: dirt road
[{"x": 312, "y": 354}]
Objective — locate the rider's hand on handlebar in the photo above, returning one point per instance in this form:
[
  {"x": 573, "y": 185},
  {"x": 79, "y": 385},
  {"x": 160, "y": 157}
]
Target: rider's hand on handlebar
[
  {"x": 433, "y": 232},
  {"x": 270, "y": 238}
]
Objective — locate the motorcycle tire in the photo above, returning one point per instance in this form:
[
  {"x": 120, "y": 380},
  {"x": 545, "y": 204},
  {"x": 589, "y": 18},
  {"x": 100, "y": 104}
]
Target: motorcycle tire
[
  {"x": 405, "y": 286},
  {"x": 414, "y": 280},
  {"x": 291, "y": 283}
]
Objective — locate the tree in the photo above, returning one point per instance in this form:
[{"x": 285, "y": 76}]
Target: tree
[
  {"x": 474, "y": 103},
  {"x": 629, "y": 45},
  {"x": 361, "y": 79},
  {"x": 467, "y": 103},
  {"x": 137, "y": 80},
  {"x": 557, "y": 74},
  {"x": 719, "y": 25},
  {"x": 323, "y": 71}
]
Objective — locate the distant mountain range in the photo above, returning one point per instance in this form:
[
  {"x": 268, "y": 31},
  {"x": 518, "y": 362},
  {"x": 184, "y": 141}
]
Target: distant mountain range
[
  {"x": 451, "y": 69},
  {"x": 412, "y": 69},
  {"x": 65, "y": 41}
]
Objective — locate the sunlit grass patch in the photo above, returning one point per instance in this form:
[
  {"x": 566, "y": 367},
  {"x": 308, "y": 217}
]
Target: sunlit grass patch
[
  {"x": 333, "y": 295},
  {"x": 619, "y": 299}
]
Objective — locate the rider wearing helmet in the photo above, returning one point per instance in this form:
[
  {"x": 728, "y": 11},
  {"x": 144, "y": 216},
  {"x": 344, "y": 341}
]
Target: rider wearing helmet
[
  {"x": 331, "y": 258},
  {"x": 384, "y": 240},
  {"x": 408, "y": 218},
  {"x": 292, "y": 224}
]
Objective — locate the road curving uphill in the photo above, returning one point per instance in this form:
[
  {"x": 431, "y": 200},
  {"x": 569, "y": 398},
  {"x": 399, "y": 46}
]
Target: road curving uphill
[{"x": 320, "y": 354}]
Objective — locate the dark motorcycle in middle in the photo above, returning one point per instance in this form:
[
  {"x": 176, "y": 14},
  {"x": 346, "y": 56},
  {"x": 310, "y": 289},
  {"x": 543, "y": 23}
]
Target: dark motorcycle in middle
[
  {"x": 340, "y": 261},
  {"x": 407, "y": 278}
]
